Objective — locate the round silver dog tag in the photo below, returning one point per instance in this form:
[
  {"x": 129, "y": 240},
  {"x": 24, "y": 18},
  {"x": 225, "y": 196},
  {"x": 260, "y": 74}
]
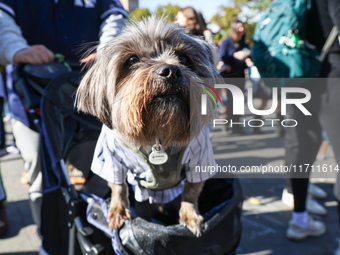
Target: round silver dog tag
[{"x": 158, "y": 156}]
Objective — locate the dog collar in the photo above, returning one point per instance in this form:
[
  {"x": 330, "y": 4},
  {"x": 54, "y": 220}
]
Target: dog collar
[{"x": 160, "y": 176}]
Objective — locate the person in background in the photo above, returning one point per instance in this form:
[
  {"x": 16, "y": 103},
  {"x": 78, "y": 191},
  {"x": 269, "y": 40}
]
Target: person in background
[
  {"x": 208, "y": 35},
  {"x": 193, "y": 20},
  {"x": 187, "y": 17},
  {"x": 64, "y": 27},
  {"x": 259, "y": 89},
  {"x": 304, "y": 140},
  {"x": 234, "y": 53}
]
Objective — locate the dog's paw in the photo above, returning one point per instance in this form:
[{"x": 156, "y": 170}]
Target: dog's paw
[
  {"x": 117, "y": 217},
  {"x": 189, "y": 217}
]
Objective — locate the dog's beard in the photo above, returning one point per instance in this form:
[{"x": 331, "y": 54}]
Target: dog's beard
[
  {"x": 167, "y": 118},
  {"x": 146, "y": 108}
]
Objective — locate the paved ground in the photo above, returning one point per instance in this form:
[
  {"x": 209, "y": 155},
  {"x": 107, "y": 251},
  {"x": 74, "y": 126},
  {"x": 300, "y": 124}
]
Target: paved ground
[
  {"x": 22, "y": 238},
  {"x": 264, "y": 216}
]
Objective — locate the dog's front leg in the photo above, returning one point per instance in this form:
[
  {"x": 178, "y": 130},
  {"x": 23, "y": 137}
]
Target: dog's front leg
[
  {"x": 188, "y": 214},
  {"x": 119, "y": 209}
]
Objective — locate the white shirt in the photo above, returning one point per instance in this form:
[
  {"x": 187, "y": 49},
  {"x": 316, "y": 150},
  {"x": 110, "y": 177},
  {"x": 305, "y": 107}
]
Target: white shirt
[{"x": 115, "y": 163}]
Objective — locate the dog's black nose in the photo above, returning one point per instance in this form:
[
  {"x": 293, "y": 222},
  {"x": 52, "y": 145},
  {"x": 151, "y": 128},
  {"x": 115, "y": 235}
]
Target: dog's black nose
[{"x": 169, "y": 72}]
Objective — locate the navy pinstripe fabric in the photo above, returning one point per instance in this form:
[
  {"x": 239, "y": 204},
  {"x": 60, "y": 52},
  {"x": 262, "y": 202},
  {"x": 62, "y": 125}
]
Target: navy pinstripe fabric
[{"x": 115, "y": 163}]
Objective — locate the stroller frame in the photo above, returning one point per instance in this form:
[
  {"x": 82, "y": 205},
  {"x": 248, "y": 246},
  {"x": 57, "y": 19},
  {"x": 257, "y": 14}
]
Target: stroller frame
[
  {"x": 73, "y": 198},
  {"x": 30, "y": 89},
  {"x": 74, "y": 222}
]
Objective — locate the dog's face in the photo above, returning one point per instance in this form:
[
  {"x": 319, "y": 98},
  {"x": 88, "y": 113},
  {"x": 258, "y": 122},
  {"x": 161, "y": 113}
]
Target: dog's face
[{"x": 143, "y": 81}]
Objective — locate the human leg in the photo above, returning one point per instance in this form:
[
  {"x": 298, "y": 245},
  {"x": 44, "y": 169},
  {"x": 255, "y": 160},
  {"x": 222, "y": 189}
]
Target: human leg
[
  {"x": 330, "y": 119},
  {"x": 28, "y": 142},
  {"x": 329, "y": 113},
  {"x": 301, "y": 145}
]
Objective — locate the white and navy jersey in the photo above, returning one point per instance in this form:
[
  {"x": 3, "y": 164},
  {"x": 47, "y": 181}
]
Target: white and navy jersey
[
  {"x": 115, "y": 163},
  {"x": 68, "y": 27}
]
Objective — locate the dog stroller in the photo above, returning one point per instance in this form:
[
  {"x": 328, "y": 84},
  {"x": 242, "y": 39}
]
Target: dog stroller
[{"x": 75, "y": 221}]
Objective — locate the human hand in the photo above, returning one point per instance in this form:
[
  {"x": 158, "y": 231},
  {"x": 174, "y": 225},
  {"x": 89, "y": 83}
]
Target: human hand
[
  {"x": 240, "y": 55},
  {"x": 37, "y": 54}
]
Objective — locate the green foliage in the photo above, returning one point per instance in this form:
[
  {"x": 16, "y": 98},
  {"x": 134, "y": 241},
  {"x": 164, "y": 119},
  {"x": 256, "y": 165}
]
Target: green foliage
[
  {"x": 139, "y": 14},
  {"x": 252, "y": 4},
  {"x": 218, "y": 37},
  {"x": 250, "y": 28},
  {"x": 223, "y": 19},
  {"x": 168, "y": 11},
  {"x": 225, "y": 15},
  {"x": 259, "y": 5}
]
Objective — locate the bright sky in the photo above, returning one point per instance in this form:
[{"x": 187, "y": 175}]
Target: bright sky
[{"x": 207, "y": 7}]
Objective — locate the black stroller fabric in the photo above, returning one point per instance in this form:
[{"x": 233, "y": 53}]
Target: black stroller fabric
[
  {"x": 220, "y": 204},
  {"x": 71, "y": 137},
  {"x": 67, "y": 135},
  {"x": 29, "y": 81}
]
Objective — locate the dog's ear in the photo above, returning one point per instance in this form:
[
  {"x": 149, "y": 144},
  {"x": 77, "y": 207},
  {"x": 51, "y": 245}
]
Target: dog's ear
[
  {"x": 211, "y": 59},
  {"x": 212, "y": 53},
  {"x": 91, "y": 95}
]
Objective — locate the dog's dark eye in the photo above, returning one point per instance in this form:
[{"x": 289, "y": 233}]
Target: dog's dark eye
[
  {"x": 133, "y": 60},
  {"x": 184, "y": 60}
]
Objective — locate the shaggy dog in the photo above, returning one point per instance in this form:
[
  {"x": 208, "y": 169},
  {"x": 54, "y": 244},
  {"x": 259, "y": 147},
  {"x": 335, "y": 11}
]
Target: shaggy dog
[{"x": 145, "y": 86}]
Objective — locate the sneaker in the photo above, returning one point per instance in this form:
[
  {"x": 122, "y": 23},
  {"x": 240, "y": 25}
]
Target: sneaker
[
  {"x": 312, "y": 206},
  {"x": 316, "y": 191},
  {"x": 287, "y": 198},
  {"x": 296, "y": 232}
]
